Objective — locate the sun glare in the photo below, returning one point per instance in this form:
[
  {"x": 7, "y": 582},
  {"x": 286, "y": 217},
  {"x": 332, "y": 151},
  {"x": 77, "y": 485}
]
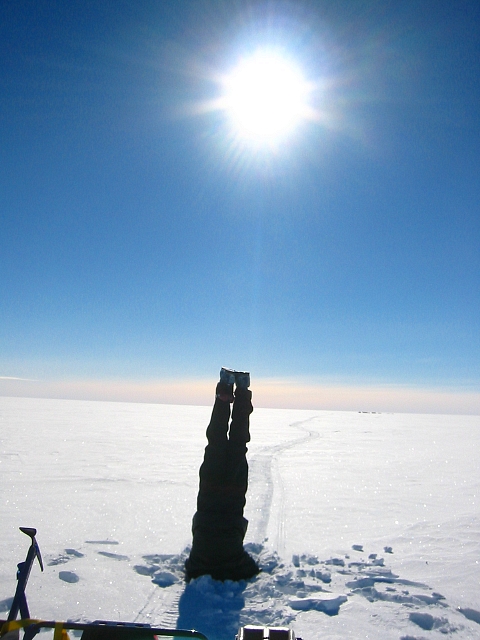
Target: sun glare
[{"x": 266, "y": 97}]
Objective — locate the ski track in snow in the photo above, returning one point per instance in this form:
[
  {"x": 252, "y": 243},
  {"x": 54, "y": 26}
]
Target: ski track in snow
[{"x": 264, "y": 475}]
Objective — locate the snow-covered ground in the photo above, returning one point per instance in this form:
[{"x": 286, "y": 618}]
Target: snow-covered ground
[{"x": 366, "y": 525}]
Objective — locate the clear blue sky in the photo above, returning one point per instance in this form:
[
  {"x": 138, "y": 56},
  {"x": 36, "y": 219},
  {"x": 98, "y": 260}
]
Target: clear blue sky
[{"x": 138, "y": 243}]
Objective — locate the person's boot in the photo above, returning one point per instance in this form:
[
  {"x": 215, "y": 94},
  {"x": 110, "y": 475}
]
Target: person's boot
[
  {"x": 242, "y": 379},
  {"x": 227, "y": 375},
  {"x": 224, "y": 390}
]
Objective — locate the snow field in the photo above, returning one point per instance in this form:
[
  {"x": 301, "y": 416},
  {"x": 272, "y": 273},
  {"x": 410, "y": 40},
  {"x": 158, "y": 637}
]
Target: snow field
[{"x": 366, "y": 525}]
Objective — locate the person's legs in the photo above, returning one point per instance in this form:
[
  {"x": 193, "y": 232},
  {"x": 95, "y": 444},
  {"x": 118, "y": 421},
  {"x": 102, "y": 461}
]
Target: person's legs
[
  {"x": 243, "y": 566},
  {"x": 224, "y": 471},
  {"x": 218, "y": 525},
  {"x": 213, "y": 469},
  {"x": 236, "y": 478}
]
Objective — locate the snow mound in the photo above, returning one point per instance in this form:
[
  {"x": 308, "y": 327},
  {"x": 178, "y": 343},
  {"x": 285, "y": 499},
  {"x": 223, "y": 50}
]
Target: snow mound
[{"x": 328, "y": 603}]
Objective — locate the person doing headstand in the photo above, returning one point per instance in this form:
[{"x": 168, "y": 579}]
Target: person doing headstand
[{"x": 219, "y": 525}]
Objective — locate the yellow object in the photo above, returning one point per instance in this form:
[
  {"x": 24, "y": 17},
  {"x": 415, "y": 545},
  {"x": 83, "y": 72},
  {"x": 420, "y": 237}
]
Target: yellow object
[{"x": 15, "y": 625}]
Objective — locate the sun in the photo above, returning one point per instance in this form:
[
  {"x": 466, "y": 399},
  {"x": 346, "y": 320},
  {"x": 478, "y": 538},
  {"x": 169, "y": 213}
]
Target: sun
[{"x": 265, "y": 97}]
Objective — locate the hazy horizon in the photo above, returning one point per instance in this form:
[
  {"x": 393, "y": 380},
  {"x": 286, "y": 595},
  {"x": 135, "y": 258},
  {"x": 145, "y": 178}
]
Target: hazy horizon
[{"x": 268, "y": 393}]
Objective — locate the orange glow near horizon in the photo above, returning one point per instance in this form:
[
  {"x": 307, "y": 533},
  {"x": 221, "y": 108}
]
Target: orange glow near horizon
[{"x": 267, "y": 393}]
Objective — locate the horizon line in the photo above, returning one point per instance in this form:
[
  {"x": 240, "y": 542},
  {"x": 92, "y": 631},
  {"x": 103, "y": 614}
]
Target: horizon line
[{"x": 272, "y": 393}]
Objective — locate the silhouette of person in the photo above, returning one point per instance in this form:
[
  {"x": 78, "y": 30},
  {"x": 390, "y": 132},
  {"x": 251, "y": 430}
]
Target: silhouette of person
[{"x": 218, "y": 526}]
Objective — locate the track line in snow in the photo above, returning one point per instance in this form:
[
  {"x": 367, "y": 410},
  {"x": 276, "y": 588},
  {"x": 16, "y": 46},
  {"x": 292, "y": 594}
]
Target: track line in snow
[
  {"x": 161, "y": 607},
  {"x": 265, "y": 478},
  {"x": 167, "y": 574}
]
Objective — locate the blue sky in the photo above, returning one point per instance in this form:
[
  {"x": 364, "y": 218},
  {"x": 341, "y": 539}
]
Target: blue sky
[{"x": 140, "y": 242}]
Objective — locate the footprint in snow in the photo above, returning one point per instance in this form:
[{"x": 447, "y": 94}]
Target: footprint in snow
[
  {"x": 144, "y": 571},
  {"x": 68, "y": 576},
  {"x": 294, "y": 587},
  {"x": 427, "y": 622},
  {"x": 308, "y": 583},
  {"x": 74, "y": 552},
  {"x": 470, "y": 614},
  {"x": 5, "y": 605},
  {"x": 114, "y": 556},
  {"x": 65, "y": 557}
]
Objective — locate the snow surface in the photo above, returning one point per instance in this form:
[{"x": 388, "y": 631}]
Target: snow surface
[{"x": 366, "y": 525}]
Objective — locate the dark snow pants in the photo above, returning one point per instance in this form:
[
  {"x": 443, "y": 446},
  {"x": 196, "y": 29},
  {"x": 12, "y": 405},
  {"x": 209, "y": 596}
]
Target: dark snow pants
[{"x": 218, "y": 525}]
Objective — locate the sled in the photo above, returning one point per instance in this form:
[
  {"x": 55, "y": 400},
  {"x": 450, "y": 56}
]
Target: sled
[{"x": 101, "y": 629}]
